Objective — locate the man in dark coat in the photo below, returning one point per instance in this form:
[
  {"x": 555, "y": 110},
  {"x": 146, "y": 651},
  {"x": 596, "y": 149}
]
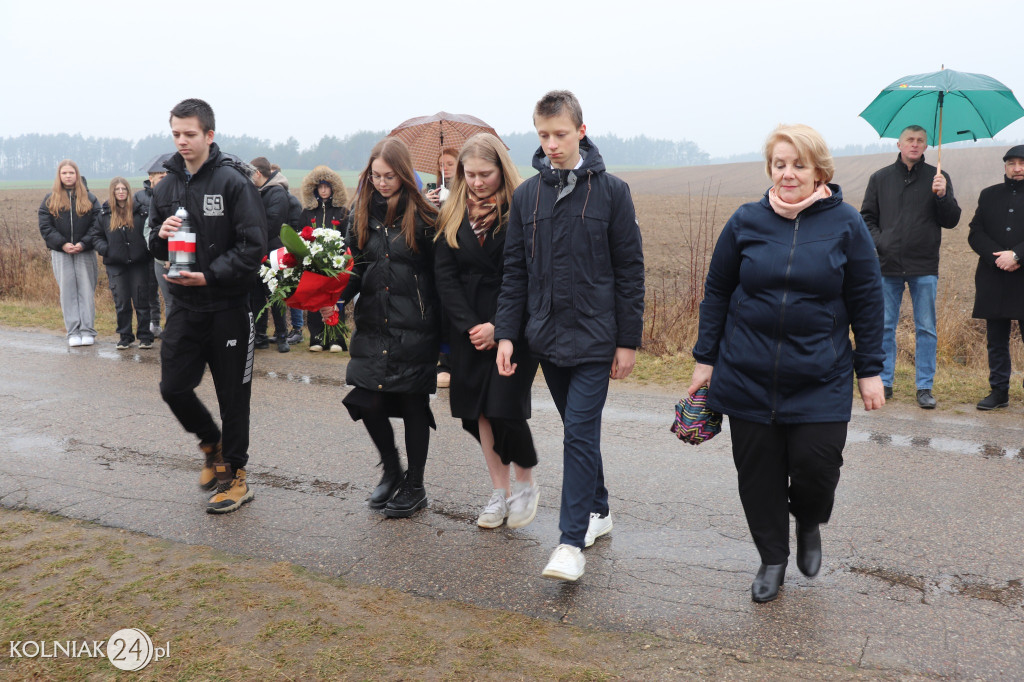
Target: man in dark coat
[
  {"x": 906, "y": 206},
  {"x": 997, "y": 235}
]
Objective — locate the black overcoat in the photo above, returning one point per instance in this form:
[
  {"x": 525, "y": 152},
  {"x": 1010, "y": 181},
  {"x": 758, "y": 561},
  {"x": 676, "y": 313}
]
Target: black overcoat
[
  {"x": 469, "y": 280},
  {"x": 998, "y": 225}
]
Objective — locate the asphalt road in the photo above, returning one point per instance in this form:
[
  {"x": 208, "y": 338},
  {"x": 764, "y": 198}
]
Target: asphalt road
[{"x": 923, "y": 559}]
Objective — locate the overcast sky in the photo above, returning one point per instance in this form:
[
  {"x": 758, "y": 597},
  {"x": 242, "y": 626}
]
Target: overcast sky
[{"x": 721, "y": 74}]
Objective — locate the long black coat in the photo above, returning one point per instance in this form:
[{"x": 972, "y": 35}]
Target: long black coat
[
  {"x": 395, "y": 344},
  {"x": 469, "y": 281},
  {"x": 998, "y": 225},
  {"x": 125, "y": 246}
]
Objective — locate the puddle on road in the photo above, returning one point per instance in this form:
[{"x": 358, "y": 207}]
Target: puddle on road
[
  {"x": 954, "y": 445},
  {"x": 1009, "y": 594},
  {"x": 299, "y": 378}
]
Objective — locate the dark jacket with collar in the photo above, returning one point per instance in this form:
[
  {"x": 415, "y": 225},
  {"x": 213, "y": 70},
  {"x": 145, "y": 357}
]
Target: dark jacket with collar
[
  {"x": 998, "y": 225},
  {"x": 125, "y": 246},
  {"x": 780, "y": 298},
  {"x": 227, "y": 216},
  {"x": 906, "y": 218},
  {"x": 574, "y": 264},
  {"x": 468, "y": 282},
  {"x": 144, "y": 197},
  {"x": 274, "y": 195},
  {"x": 68, "y": 227},
  {"x": 395, "y": 344}
]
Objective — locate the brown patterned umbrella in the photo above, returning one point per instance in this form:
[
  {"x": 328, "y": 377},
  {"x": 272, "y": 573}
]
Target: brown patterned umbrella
[{"x": 426, "y": 136}]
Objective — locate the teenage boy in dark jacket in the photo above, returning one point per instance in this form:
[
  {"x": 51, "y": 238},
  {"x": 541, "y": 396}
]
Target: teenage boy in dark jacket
[
  {"x": 906, "y": 205},
  {"x": 573, "y": 291},
  {"x": 211, "y": 323}
]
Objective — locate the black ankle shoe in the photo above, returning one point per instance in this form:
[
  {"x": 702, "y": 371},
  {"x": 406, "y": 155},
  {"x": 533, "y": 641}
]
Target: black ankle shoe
[
  {"x": 386, "y": 489},
  {"x": 409, "y": 498},
  {"x": 767, "y": 582},
  {"x": 262, "y": 342},
  {"x": 282, "y": 344},
  {"x": 993, "y": 401},
  {"x": 808, "y": 549}
]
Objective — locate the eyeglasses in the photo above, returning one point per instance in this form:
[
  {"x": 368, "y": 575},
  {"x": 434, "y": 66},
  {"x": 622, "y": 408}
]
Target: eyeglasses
[{"x": 377, "y": 179}]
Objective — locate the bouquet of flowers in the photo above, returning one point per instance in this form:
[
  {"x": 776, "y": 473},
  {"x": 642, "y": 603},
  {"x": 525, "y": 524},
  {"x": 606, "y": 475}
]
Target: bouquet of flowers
[{"x": 309, "y": 272}]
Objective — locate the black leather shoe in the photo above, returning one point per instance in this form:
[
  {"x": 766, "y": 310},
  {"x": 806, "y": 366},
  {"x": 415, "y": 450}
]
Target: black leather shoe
[
  {"x": 386, "y": 489},
  {"x": 808, "y": 549},
  {"x": 888, "y": 392},
  {"x": 409, "y": 498},
  {"x": 262, "y": 342},
  {"x": 925, "y": 399},
  {"x": 767, "y": 582},
  {"x": 994, "y": 400},
  {"x": 282, "y": 345}
]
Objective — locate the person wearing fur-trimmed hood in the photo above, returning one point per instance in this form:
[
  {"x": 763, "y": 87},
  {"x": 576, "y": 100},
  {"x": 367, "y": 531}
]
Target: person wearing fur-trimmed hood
[{"x": 324, "y": 204}]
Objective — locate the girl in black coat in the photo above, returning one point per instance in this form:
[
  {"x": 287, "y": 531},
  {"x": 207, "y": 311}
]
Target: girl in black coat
[
  {"x": 469, "y": 259},
  {"x": 122, "y": 244},
  {"x": 395, "y": 343}
]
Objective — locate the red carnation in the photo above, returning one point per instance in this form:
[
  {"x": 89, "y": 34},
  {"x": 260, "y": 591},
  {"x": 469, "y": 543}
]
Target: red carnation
[
  {"x": 335, "y": 222},
  {"x": 312, "y": 221},
  {"x": 307, "y": 233},
  {"x": 333, "y": 320},
  {"x": 288, "y": 260},
  {"x": 264, "y": 259}
]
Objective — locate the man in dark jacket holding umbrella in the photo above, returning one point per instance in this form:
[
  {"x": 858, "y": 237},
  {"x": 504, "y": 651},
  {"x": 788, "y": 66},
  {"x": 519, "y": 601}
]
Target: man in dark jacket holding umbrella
[
  {"x": 906, "y": 205},
  {"x": 997, "y": 235}
]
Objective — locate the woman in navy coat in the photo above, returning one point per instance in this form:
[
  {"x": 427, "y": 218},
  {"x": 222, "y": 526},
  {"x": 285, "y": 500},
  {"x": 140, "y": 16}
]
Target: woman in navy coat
[{"x": 790, "y": 276}]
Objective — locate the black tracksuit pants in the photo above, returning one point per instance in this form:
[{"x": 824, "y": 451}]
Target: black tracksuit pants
[
  {"x": 223, "y": 340},
  {"x": 785, "y": 469}
]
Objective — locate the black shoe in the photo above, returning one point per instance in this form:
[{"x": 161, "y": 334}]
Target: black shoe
[
  {"x": 994, "y": 400},
  {"x": 407, "y": 500},
  {"x": 808, "y": 549},
  {"x": 387, "y": 487},
  {"x": 295, "y": 337},
  {"x": 925, "y": 399},
  {"x": 767, "y": 582},
  {"x": 888, "y": 392},
  {"x": 262, "y": 342},
  {"x": 282, "y": 345}
]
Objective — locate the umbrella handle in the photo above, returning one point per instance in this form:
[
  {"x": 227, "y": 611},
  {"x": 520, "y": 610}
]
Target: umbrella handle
[{"x": 938, "y": 165}]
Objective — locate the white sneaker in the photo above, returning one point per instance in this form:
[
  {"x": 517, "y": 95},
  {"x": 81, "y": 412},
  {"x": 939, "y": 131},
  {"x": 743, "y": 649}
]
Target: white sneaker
[
  {"x": 495, "y": 512},
  {"x": 75, "y": 341},
  {"x": 566, "y": 563},
  {"x": 88, "y": 340},
  {"x": 316, "y": 348},
  {"x": 599, "y": 525},
  {"x": 335, "y": 348},
  {"x": 522, "y": 505}
]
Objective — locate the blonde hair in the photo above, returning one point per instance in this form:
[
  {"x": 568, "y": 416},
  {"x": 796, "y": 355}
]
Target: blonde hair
[
  {"x": 485, "y": 147},
  {"x": 810, "y": 148},
  {"x": 59, "y": 200},
  {"x": 120, "y": 216}
]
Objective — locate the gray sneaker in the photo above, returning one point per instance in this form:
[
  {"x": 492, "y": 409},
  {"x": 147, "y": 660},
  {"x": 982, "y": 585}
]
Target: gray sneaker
[
  {"x": 495, "y": 512},
  {"x": 522, "y": 505}
]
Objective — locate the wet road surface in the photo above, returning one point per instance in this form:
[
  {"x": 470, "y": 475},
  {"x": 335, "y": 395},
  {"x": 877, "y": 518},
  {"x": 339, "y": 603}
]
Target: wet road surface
[{"x": 923, "y": 559}]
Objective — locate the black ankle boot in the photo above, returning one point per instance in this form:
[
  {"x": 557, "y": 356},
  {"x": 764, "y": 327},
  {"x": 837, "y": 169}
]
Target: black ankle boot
[
  {"x": 410, "y": 497},
  {"x": 808, "y": 548},
  {"x": 767, "y": 582},
  {"x": 389, "y": 481}
]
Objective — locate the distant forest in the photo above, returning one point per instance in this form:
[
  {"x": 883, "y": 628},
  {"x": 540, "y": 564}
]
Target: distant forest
[{"x": 35, "y": 157}]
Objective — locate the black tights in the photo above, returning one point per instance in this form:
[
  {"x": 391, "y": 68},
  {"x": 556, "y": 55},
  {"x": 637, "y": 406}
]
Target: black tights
[{"x": 418, "y": 419}]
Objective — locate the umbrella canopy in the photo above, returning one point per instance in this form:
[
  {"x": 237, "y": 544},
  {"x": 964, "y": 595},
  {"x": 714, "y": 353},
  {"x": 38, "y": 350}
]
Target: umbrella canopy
[
  {"x": 426, "y": 136},
  {"x": 156, "y": 164},
  {"x": 949, "y": 105}
]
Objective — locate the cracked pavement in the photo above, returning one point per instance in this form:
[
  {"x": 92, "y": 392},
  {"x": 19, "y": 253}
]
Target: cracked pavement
[{"x": 922, "y": 571}]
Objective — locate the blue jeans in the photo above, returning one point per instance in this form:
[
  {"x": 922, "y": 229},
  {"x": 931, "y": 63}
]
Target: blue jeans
[
  {"x": 922, "y": 298},
  {"x": 296, "y": 318},
  {"x": 579, "y": 394}
]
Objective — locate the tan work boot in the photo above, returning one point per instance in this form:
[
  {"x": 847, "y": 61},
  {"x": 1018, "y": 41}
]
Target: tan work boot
[
  {"x": 232, "y": 491},
  {"x": 212, "y": 453}
]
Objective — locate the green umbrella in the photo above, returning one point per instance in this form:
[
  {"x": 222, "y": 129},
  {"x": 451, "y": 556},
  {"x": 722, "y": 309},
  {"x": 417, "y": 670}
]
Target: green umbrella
[{"x": 949, "y": 105}]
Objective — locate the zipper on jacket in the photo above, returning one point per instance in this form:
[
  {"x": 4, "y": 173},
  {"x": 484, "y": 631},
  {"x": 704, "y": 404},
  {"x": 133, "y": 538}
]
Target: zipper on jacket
[
  {"x": 71, "y": 216},
  {"x": 419, "y": 296},
  {"x": 782, "y": 320}
]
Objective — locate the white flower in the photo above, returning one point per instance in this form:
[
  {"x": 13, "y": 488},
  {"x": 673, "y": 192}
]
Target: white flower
[
  {"x": 337, "y": 262},
  {"x": 272, "y": 285},
  {"x": 307, "y": 261},
  {"x": 315, "y": 249}
]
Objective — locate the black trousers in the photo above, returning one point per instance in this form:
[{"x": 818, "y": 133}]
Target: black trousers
[
  {"x": 783, "y": 470},
  {"x": 129, "y": 285},
  {"x": 223, "y": 340},
  {"x": 316, "y": 328},
  {"x": 999, "y": 365},
  {"x": 257, "y": 299}
]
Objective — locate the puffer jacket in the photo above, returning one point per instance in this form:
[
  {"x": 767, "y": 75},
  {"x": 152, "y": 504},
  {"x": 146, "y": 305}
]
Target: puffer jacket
[
  {"x": 780, "y": 298},
  {"x": 68, "y": 227},
  {"x": 395, "y": 344},
  {"x": 574, "y": 264},
  {"x": 274, "y": 194},
  {"x": 906, "y": 218},
  {"x": 315, "y": 209},
  {"x": 230, "y": 225},
  {"x": 124, "y": 246}
]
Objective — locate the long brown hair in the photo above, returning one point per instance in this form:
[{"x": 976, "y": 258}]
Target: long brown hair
[
  {"x": 395, "y": 154},
  {"x": 59, "y": 201},
  {"x": 120, "y": 216},
  {"x": 485, "y": 147}
]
